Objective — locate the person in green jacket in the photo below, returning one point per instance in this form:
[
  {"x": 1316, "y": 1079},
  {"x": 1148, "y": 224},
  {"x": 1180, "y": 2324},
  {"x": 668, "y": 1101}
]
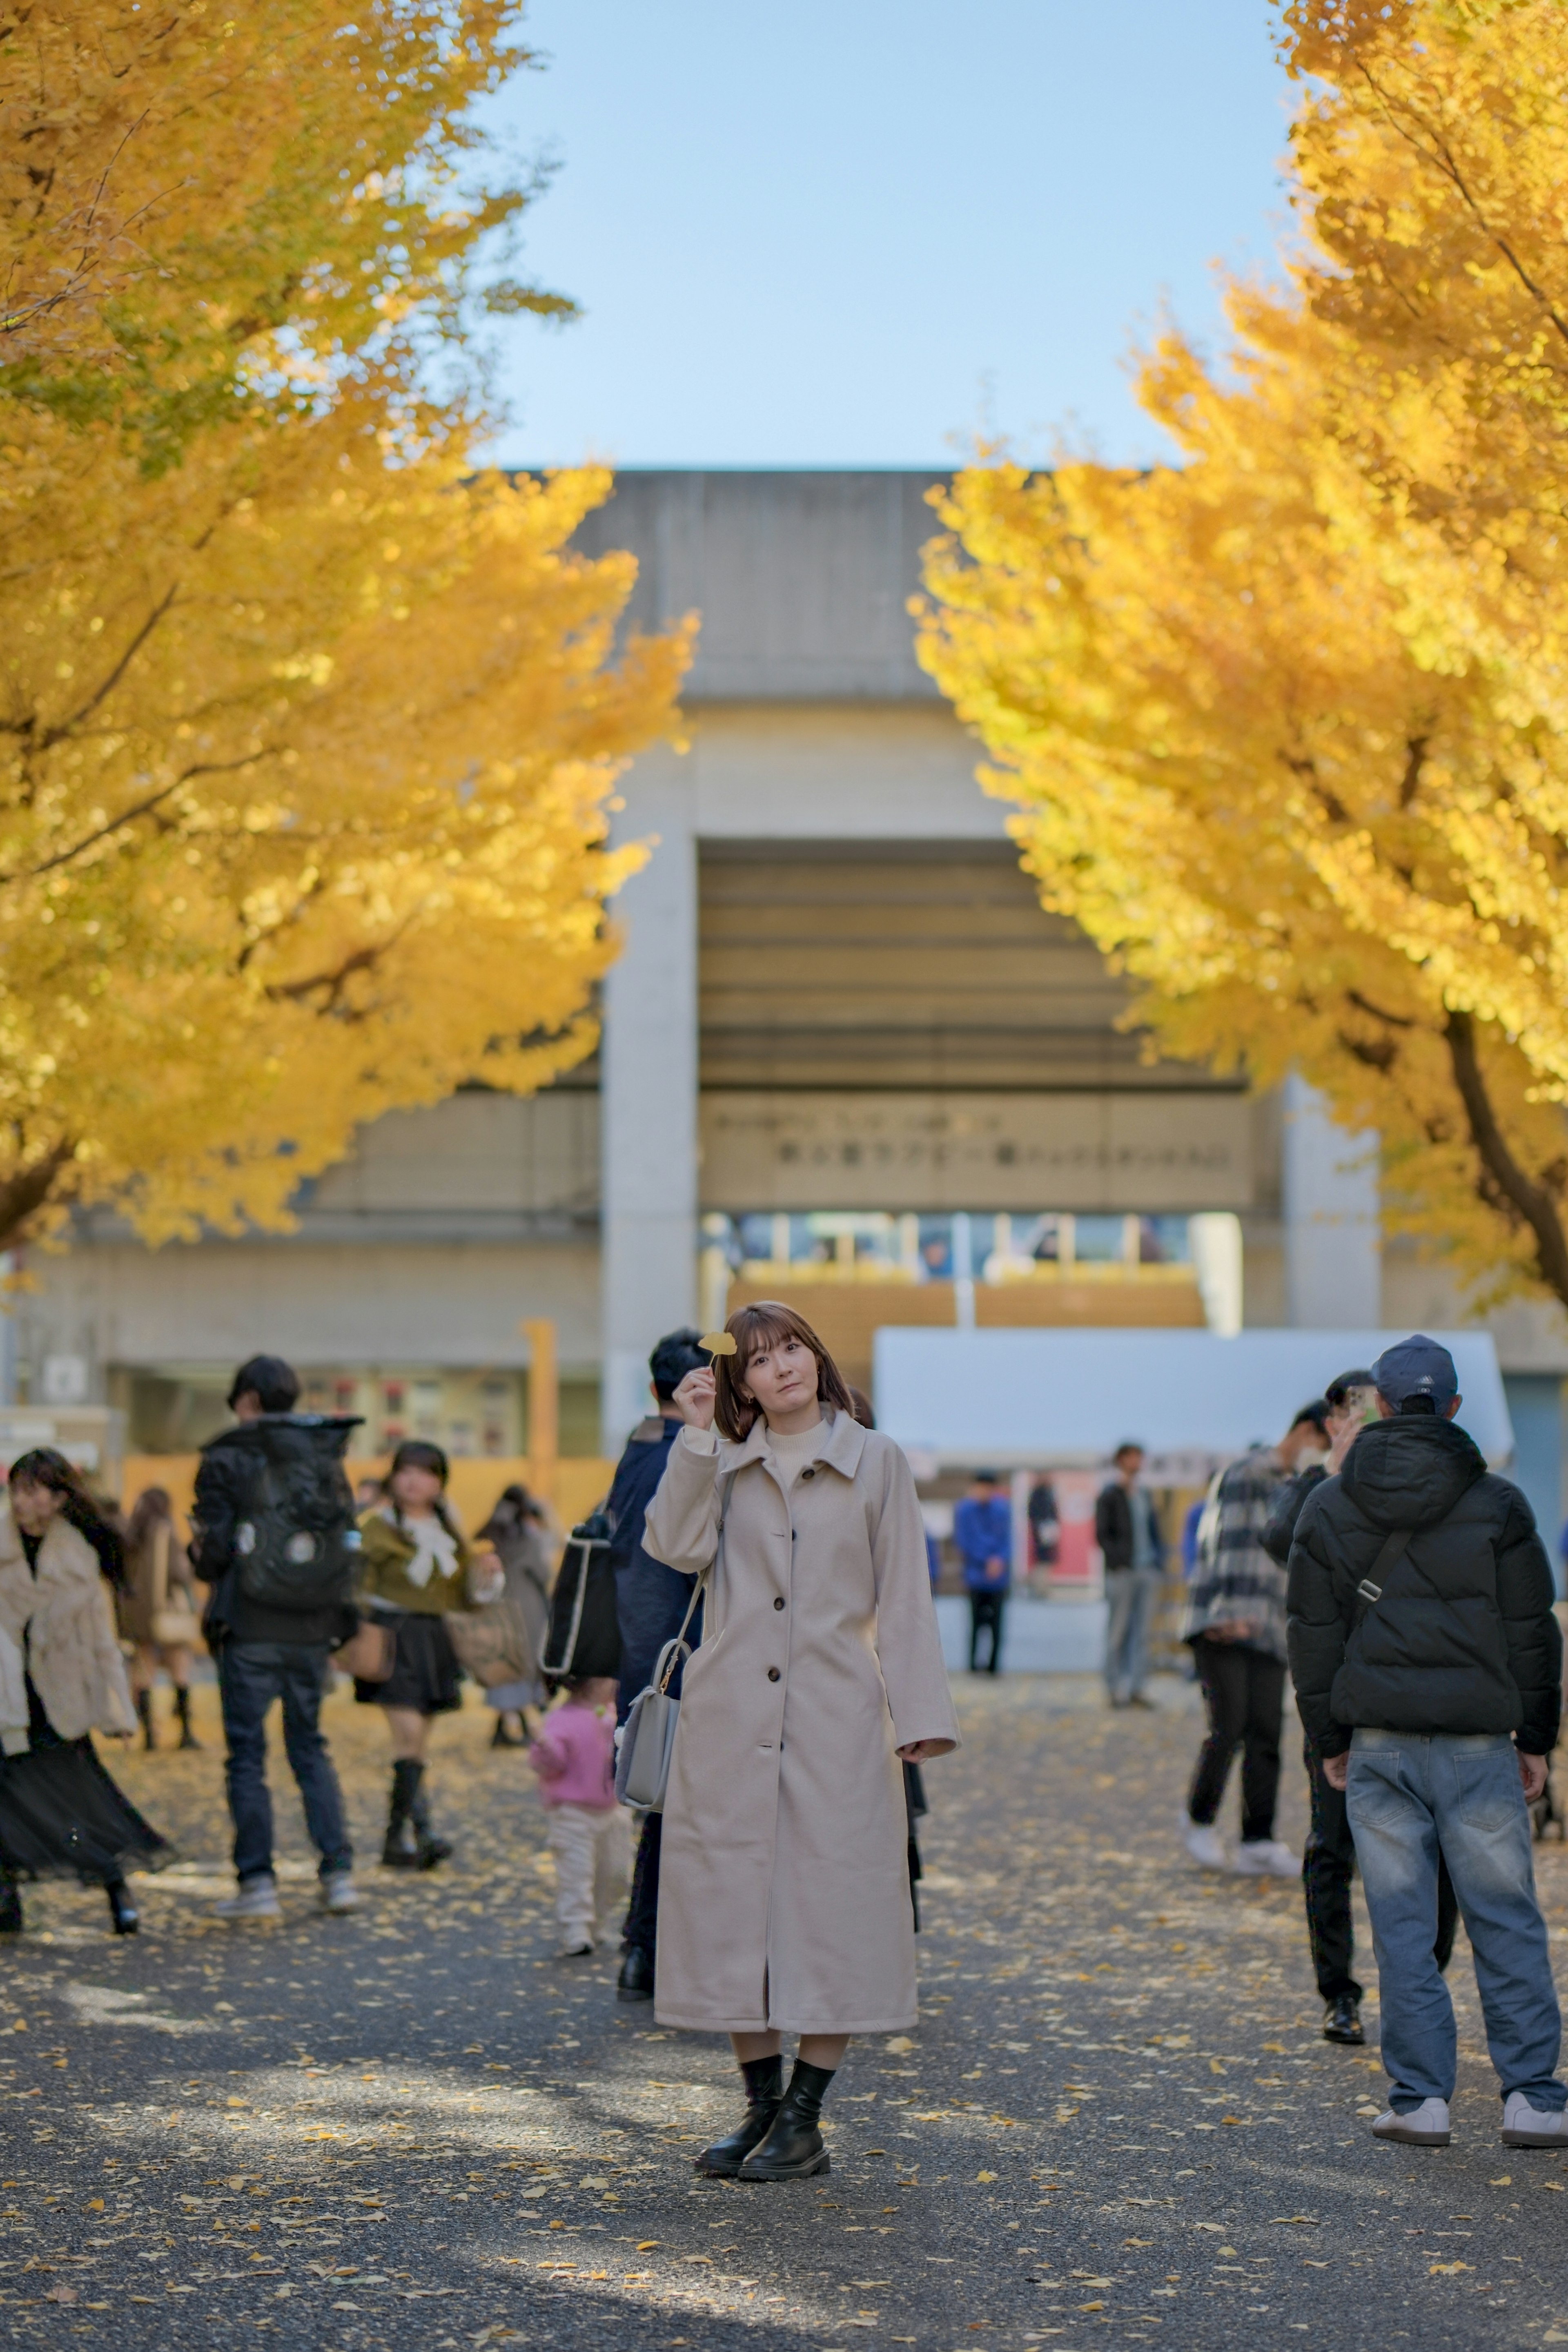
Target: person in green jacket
[{"x": 415, "y": 1566}]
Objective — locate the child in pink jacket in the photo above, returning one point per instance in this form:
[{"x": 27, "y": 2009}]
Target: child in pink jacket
[{"x": 574, "y": 1755}]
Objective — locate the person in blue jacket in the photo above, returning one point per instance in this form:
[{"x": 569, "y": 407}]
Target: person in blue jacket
[
  {"x": 983, "y": 1533},
  {"x": 650, "y": 1603}
]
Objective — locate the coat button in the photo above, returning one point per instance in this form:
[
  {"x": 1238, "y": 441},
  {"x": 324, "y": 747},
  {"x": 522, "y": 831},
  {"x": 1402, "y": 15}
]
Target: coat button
[
  {"x": 779, "y": 1604},
  {"x": 773, "y": 1671},
  {"x": 808, "y": 1473}
]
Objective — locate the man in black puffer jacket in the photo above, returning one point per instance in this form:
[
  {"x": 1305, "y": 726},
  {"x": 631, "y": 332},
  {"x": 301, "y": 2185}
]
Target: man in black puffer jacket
[
  {"x": 1328, "y": 1858},
  {"x": 1429, "y": 1667}
]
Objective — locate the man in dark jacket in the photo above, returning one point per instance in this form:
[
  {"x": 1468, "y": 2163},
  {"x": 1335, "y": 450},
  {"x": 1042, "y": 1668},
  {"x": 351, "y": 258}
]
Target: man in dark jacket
[
  {"x": 1428, "y": 1667},
  {"x": 264, "y": 1653},
  {"x": 650, "y": 1603},
  {"x": 1127, "y": 1531},
  {"x": 1328, "y": 1859}
]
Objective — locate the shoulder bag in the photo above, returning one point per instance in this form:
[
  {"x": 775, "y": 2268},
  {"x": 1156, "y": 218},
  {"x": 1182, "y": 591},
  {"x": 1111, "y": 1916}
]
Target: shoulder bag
[
  {"x": 370, "y": 1653},
  {"x": 646, "y": 1740}
]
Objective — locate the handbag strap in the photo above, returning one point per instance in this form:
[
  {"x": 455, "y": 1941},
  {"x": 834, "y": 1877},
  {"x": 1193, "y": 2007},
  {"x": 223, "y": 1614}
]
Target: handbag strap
[{"x": 700, "y": 1581}]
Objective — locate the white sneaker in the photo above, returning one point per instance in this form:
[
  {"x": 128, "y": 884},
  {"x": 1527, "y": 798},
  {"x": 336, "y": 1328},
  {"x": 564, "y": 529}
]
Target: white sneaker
[
  {"x": 1527, "y": 2127},
  {"x": 1266, "y": 1858},
  {"x": 1424, "y": 2126},
  {"x": 337, "y": 1892},
  {"x": 257, "y": 1899},
  {"x": 1204, "y": 1843}
]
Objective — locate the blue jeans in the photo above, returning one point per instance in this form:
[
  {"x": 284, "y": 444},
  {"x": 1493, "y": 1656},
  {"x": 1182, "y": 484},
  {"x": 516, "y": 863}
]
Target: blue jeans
[
  {"x": 1130, "y": 1595},
  {"x": 1410, "y": 1798},
  {"x": 251, "y": 1674}
]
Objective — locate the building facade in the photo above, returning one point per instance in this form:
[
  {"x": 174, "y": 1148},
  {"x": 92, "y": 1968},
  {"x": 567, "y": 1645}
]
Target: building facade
[{"x": 844, "y": 1052}]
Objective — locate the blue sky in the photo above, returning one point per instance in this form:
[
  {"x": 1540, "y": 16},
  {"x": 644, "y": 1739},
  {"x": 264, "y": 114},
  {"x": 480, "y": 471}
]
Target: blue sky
[{"x": 862, "y": 234}]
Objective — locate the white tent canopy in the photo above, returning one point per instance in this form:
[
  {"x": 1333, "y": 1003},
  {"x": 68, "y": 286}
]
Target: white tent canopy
[{"x": 1059, "y": 1397}]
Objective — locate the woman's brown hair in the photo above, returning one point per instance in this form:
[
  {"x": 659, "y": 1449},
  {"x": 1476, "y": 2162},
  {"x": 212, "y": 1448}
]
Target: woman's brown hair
[
  {"x": 153, "y": 1507},
  {"x": 764, "y": 1323}
]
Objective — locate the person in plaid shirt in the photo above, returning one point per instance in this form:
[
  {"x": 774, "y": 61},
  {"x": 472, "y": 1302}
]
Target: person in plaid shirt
[{"x": 1236, "y": 1629}]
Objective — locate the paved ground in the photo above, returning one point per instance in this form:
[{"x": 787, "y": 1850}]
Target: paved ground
[{"x": 416, "y": 2128}]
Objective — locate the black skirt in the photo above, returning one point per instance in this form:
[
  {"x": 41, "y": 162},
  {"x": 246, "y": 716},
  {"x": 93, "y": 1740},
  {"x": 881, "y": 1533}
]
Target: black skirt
[
  {"x": 61, "y": 1812},
  {"x": 425, "y": 1676}
]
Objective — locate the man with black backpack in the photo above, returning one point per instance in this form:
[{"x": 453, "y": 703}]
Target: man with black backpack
[
  {"x": 1429, "y": 1668},
  {"x": 276, "y": 1541}
]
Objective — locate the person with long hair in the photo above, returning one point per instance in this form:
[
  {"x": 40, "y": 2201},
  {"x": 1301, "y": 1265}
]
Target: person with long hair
[
  {"x": 158, "y": 1593},
  {"x": 415, "y": 1565},
  {"x": 784, "y": 1901},
  {"x": 62, "y": 1677},
  {"x": 522, "y": 1532}
]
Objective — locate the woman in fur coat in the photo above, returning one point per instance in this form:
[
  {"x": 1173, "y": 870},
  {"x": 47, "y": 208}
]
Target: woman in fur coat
[{"x": 62, "y": 1677}]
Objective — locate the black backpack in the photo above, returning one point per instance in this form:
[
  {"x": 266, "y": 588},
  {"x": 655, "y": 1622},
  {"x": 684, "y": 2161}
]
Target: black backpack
[
  {"x": 584, "y": 1635},
  {"x": 296, "y": 1545}
]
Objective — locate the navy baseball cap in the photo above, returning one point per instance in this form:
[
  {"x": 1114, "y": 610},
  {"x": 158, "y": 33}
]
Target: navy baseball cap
[{"x": 1416, "y": 1367}]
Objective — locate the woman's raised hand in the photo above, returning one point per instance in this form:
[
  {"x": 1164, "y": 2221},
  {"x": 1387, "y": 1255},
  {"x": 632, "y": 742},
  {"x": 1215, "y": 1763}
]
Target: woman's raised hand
[{"x": 694, "y": 1399}]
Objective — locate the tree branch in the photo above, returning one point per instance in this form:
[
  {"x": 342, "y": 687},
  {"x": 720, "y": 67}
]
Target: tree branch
[
  {"x": 1530, "y": 1202},
  {"x": 130, "y": 816},
  {"x": 1410, "y": 782},
  {"x": 54, "y": 735},
  {"x": 1441, "y": 156},
  {"x": 331, "y": 985}
]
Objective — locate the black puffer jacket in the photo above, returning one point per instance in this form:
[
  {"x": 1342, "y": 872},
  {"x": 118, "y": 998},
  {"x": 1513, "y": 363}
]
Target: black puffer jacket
[
  {"x": 1463, "y": 1639},
  {"x": 1281, "y": 1532}
]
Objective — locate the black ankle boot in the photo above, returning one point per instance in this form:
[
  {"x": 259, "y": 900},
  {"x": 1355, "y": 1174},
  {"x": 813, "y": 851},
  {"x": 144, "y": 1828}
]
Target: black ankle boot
[
  {"x": 400, "y": 1850},
  {"x": 764, "y": 2080},
  {"x": 183, "y": 1716},
  {"x": 635, "y": 1982},
  {"x": 10, "y": 1905},
  {"x": 144, "y": 1712},
  {"x": 502, "y": 1737},
  {"x": 122, "y": 1908},
  {"x": 793, "y": 2147}
]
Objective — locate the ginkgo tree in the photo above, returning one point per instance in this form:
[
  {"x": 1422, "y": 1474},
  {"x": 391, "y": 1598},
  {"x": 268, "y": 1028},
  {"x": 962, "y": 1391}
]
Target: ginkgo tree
[
  {"x": 308, "y": 731},
  {"x": 1285, "y": 721}
]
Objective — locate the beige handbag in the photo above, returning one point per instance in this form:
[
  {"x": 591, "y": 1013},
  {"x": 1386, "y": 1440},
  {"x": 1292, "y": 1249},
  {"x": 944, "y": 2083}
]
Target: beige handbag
[
  {"x": 370, "y": 1653},
  {"x": 175, "y": 1624}
]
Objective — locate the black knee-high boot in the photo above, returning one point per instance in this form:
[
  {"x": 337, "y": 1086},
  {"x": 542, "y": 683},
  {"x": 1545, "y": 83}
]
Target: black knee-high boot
[
  {"x": 793, "y": 2149},
  {"x": 428, "y": 1848},
  {"x": 764, "y": 2080},
  {"x": 144, "y": 1712},
  {"x": 399, "y": 1853},
  {"x": 183, "y": 1716},
  {"x": 10, "y": 1903}
]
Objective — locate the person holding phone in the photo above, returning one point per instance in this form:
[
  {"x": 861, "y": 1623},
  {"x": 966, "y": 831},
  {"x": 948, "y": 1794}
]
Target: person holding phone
[{"x": 784, "y": 1903}]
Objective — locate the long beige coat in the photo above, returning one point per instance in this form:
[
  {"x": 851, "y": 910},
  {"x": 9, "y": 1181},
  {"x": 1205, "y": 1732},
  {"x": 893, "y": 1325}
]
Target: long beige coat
[
  {"x": 61, "y": 1623},
  {"x": 783, "y": 1878}
]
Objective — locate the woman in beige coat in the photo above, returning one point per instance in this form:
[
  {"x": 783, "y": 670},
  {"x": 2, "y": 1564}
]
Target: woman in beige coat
[
  {"x": 784, "y": 1902},
  {"x": 61, "y": 1678}
]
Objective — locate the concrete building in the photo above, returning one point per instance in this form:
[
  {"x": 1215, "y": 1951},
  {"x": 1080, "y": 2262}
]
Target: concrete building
[{"x": 843, "y": 1048}]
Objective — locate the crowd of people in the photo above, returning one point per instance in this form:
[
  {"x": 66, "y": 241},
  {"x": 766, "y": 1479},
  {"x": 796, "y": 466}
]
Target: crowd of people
[
  {"x": 752, "y": 1610},
  {"x": 1371, "y": 1559}
]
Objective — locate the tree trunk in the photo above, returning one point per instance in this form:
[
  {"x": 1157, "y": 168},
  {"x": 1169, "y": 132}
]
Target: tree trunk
[
  {"x": 29, "y": 1189},
  {"x": 1530, "y": 1202}
]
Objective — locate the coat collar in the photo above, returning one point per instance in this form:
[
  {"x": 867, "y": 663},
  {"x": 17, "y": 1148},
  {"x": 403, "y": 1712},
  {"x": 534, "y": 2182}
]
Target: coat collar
[
  {"x": 64, "y": 1555},
  {"x": 841, "y": 1441}
]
